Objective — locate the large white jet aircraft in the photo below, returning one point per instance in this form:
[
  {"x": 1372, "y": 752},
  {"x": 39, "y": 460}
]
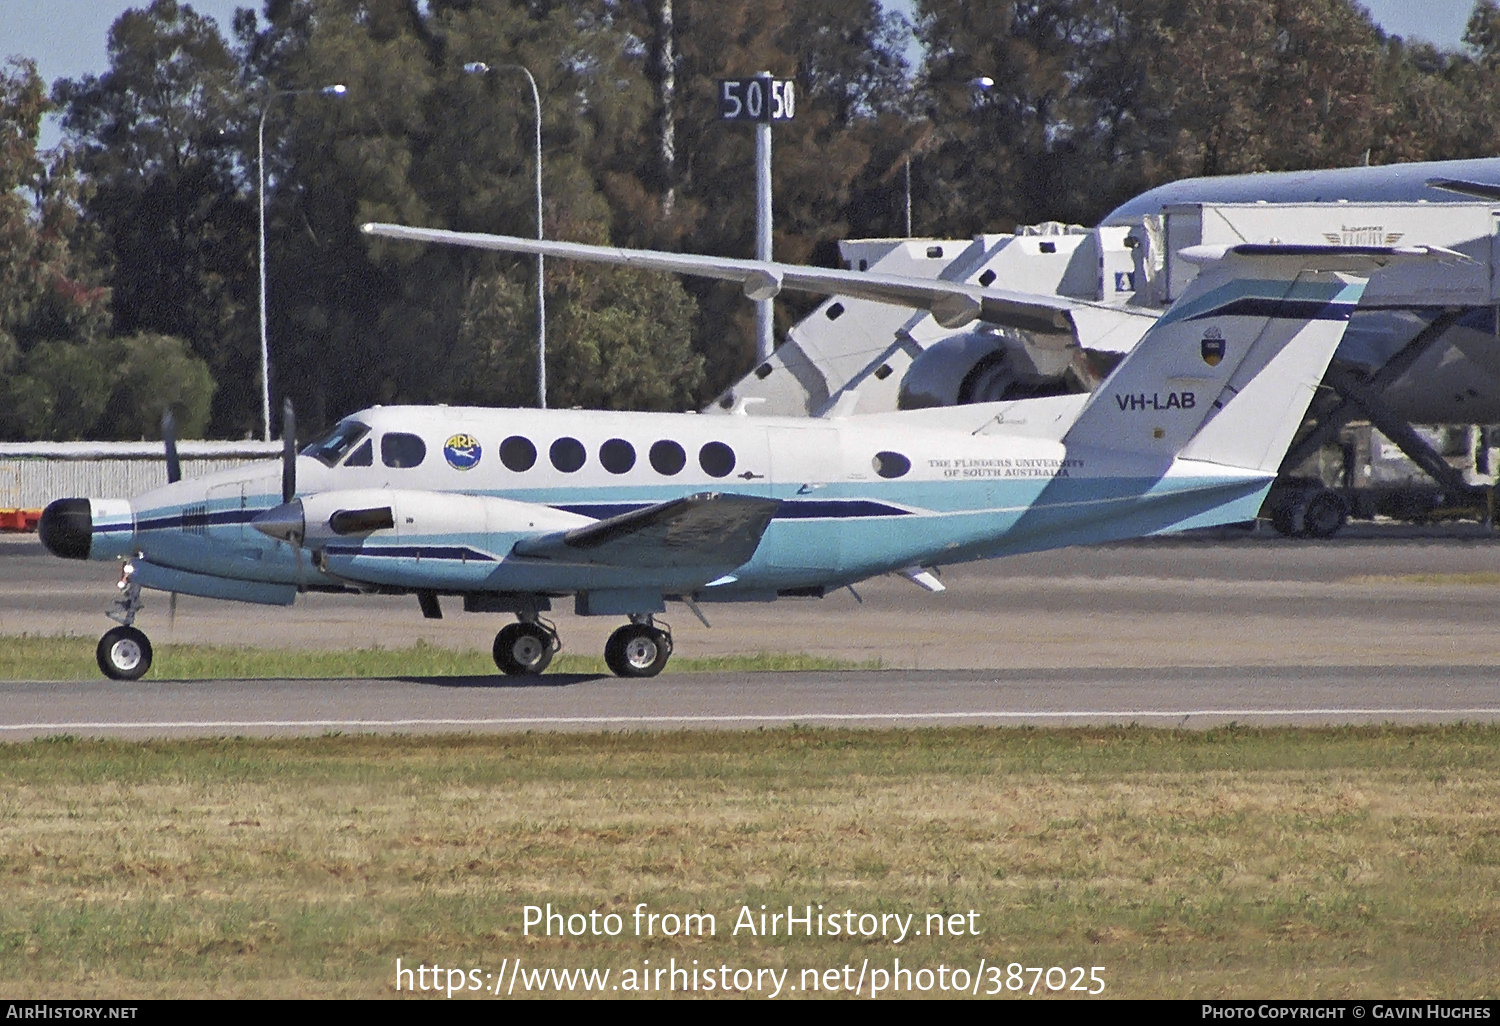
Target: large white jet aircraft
[{"x": 509, "y": 509}]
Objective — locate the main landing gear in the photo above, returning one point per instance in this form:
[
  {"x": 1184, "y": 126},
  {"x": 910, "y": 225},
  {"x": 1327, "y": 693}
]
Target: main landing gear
[
  {"x": 525, "y": 648},
  {"x": 638, "y": 649},
  {"x": 124, "y": 653}
]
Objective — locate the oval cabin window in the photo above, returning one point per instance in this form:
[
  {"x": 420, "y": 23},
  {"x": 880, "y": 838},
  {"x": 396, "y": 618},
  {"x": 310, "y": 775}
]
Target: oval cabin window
[
  {"x": 568, "y": 454},
  {"x": 402, "y": 451},
  {"x": 668, "y": 458},
  {"x": 891, "y": 464},
  {"x": 517, "y": 453},
  {"x": 716, "y": 459},
  {"x": 617, "y": 455}
]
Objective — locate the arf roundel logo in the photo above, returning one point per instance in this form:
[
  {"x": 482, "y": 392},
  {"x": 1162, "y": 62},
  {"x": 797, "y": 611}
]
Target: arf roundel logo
[
  {"x": 462, "y": 452},
  {"x": 1212, "y": 347}
]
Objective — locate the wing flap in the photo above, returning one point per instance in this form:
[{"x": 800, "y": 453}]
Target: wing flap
[{"x": 714, "y": 530}]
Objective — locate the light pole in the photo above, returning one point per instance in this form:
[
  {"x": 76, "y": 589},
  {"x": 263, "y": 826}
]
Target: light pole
[
  {"x": 260, "y": 165},
  {"x": 977, "y": 87},
  {"x": 481, "y": 68}
]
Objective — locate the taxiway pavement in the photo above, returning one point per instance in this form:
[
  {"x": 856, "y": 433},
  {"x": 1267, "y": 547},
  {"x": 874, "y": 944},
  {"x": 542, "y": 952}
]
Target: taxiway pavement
[
  {"x": 1180, "y": 697},
  {"x": 1385, "y": 624}
]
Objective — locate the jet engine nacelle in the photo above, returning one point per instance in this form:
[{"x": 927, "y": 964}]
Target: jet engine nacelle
[{"x": 990, "y": 365}]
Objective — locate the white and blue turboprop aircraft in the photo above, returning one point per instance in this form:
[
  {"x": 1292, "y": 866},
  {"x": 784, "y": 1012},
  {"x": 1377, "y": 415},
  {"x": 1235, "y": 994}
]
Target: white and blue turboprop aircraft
[{"x": 509, "y": 509}]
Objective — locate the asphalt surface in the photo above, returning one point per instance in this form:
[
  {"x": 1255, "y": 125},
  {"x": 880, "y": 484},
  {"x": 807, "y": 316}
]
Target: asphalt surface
[
  {"x": 1192, "y": 698},
  {"x": 1384, "y": 624}
]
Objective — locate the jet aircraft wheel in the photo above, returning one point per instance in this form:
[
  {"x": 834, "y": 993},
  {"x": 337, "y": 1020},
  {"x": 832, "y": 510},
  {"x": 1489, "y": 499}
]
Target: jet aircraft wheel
[
  {"x": 638, "y": 650},
  {"x": 1324, "y": 514},
  {"x": 124, "y": 653},
  {"x": 524, "y": 649}
]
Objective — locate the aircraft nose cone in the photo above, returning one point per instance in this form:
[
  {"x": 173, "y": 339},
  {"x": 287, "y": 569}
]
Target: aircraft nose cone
[
  {"x": 67, "y": 528},
  {"x": 284, "y": 522}
]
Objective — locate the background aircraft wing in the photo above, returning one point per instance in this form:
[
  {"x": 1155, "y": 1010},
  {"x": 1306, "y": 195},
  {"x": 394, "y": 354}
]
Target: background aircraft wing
[
  {"x": 715, "y": 530},
  {"x": 952, "y": 304}
]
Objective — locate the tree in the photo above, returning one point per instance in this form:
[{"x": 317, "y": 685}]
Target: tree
[{"x": 159, "y": 136}]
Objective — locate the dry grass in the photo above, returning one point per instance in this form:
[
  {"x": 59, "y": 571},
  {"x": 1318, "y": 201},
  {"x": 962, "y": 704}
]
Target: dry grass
[
  {"x": 1331, "y": 863},
  {"x": 1475, "y": 579}
]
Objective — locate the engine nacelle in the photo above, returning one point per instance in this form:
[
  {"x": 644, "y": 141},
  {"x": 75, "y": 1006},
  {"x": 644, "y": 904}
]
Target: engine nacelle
[
  {"x": 326, "y": 517},
  {"x": 991, "y": 365}
]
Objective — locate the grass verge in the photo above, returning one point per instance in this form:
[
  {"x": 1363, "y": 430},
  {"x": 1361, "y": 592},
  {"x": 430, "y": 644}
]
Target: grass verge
[
  {"x": 31, "y": 657},
  {"x": 1247, "y": 863}
]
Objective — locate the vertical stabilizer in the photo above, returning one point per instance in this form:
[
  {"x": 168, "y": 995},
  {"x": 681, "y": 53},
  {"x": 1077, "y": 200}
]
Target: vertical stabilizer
[{"x": 1227, "y": 373}]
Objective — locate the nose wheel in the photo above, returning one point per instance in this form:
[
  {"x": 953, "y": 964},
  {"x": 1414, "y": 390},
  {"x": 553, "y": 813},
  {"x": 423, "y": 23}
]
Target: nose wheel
[
  {"x": 638, "y": 650},
  {"x": 124, "y": 653},
  {"x": 525, "y": 649}
]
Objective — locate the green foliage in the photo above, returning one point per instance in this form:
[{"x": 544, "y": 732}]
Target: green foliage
[
  {"x": 62, "y": 375},
  {"x": 154, "y": 134},
  {"x": 1093, "y": 102},
  {"x": 109, "y": 388}
]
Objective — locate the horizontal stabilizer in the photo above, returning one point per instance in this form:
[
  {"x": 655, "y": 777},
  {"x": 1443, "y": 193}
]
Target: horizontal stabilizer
[
  {"x": 714, "y": 530},
  {"x": 1479, "y": 190}
]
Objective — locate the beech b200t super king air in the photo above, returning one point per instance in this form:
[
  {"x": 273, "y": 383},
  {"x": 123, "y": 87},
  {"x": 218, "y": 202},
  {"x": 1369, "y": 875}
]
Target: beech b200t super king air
[{"x": 507, "y": 510}]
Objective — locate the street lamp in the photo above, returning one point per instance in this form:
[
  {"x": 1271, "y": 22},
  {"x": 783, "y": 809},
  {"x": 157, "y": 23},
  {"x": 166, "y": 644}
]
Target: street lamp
[
  {"x": 260, "y": 164},
  {"x": 481, "y": 68}
]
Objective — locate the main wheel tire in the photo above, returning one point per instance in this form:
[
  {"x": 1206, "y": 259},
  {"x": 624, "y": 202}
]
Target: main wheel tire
[
  {"x": 1324, "y": 514},
  {"x": 124, "y": 653},
  {"x": 524, "y": 649},
  {"x": 1287, "y": 517},
  {"x": 637, "y": 650}
]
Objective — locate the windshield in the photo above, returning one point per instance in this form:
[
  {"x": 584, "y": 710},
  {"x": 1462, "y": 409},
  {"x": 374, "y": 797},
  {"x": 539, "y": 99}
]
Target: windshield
[{"x": 331, "y": 448}]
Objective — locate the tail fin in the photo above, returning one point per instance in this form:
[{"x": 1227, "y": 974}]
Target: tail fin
[{"x": 1227, "y": 373}]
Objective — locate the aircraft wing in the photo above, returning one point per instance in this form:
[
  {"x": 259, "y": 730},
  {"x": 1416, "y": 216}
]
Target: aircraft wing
[
  {"x": 952, "y": 304},
  {"x": 715, "y": 530}
]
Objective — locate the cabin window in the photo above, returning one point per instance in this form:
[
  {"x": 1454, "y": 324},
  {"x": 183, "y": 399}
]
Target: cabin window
[
  {"x": 1048, "y": 247},
  {"x": 763, "y": 371},
  {"x": 617, "y": 455},
  {"x": 568, "y": 454},
  {"x": 332, "y": 447},
  {"x": 987, "y": 278},
  {"x": 364, "y": 456},
  {"x": 518, "y": 454},
  {"x": 883, "y": 371},
  {"x": 890, "y": 464},
  {"x": 402, "y": 451},
  {"x": 668, "y": 458},
  {"x": 934, "y": 252},
  {"x": 716, "y": 459},
  {"x": 834, "y": 311}
]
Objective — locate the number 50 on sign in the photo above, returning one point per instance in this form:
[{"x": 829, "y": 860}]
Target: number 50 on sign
[{"x": 756, "y": 99}]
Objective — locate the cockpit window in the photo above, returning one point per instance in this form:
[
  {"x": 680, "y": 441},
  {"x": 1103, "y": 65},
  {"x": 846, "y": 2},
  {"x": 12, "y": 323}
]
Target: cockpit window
[
  {"x": 331, "y": 448},
  {"x": 401, "y": 450},
  {"x": 364, "y": 456}
]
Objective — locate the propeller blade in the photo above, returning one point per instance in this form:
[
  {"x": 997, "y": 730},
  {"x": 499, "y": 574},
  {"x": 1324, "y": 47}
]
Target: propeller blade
[
  {"x": 288, "y": 452},
  {"x": 169, "y": 439}
]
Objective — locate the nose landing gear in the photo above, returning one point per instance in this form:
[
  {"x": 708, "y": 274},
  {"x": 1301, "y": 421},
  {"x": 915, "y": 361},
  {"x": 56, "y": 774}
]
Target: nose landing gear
[
  {"x": 124, "y": 653},
  {"x": 525, "y": 648},
  {"x": 639, "y": 649}
]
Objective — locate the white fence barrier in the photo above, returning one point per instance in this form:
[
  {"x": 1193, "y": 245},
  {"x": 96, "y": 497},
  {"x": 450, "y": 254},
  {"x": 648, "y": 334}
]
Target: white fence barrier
[{"x": 32, "y": 474}]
